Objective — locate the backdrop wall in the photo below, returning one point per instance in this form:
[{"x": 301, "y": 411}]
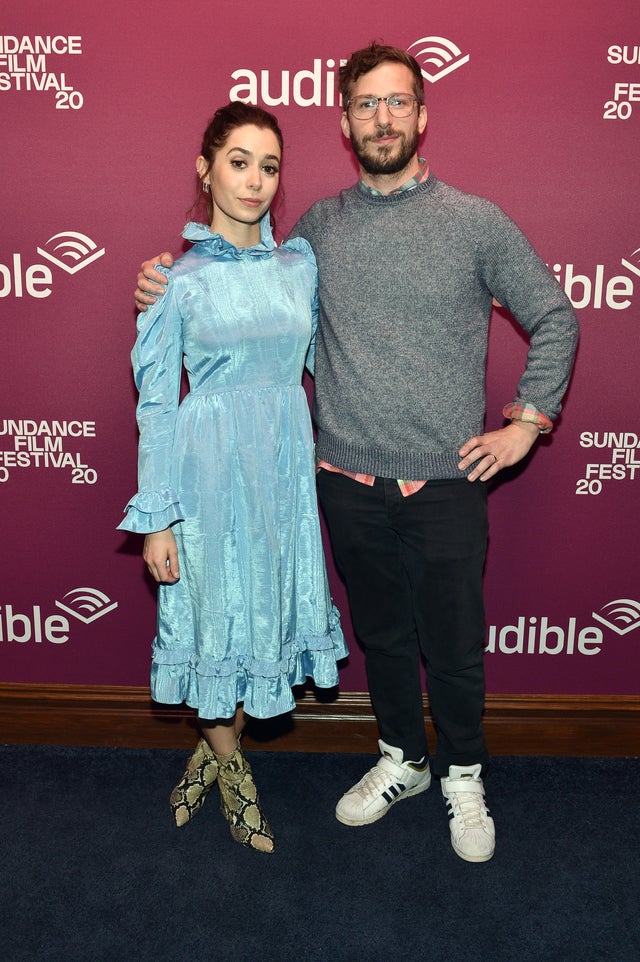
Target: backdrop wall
[{"x": 535, "y": 105}]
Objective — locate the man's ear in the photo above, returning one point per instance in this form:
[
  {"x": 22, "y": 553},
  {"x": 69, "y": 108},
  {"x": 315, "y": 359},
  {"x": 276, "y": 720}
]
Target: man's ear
[
  {"x": 344, "y": 123},
  {"x": 422, "y": 118}
]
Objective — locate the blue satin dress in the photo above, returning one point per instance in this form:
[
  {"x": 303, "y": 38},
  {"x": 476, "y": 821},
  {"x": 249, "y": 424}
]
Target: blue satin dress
[{"x": 231, "y": 469}]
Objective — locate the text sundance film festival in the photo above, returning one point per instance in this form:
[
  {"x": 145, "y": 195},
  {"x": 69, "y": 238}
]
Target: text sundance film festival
[
  {"x": 38, "y": 65},
  {"x": 30, "y": 444},
  {"x": 624, "y": 101}
]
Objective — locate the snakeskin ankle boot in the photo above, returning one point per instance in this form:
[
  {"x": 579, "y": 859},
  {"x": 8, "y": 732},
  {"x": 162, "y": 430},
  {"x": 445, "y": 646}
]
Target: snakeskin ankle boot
[
  {"x": 240, "y": 804},
  {"x": 190, "y": 793}
]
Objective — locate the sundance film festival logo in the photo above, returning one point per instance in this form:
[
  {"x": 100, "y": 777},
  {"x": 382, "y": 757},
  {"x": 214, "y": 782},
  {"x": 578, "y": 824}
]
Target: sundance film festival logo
[
  {"x": 315, "y": 84},
  {"x": 541, "y": 636},
  {"x": 69, "y": 250},
  {"x": 27, "y": 443},
  {"x": 614, "y": 456},
  {"x": 29, "y": 65},
  {"x": 83, "y": 604},
  {"x": 626, "y": 93}
]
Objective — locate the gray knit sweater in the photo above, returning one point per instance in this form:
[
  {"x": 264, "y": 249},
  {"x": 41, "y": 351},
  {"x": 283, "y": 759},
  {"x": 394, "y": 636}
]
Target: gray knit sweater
[{"x": 406, "y": 283}]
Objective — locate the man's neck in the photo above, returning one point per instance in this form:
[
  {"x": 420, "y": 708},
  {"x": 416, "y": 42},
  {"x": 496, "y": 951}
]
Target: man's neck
[{"x": 387, "y": 183}]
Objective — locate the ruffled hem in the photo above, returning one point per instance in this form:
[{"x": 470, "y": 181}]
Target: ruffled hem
[
  {"x": 214, "y": 688},
  {"x": 149, "y": 511}
]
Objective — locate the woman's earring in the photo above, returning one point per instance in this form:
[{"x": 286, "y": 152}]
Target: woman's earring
[{"x": 205, "y": 186}]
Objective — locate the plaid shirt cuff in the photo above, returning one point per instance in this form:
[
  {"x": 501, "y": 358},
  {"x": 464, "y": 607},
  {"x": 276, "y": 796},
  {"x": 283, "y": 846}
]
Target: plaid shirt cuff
[{"x": 520, "y": 411}]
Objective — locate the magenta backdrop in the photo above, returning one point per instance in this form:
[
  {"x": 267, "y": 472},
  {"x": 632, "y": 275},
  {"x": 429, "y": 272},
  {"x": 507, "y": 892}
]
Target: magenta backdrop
[{"x": 533, "y": 105}]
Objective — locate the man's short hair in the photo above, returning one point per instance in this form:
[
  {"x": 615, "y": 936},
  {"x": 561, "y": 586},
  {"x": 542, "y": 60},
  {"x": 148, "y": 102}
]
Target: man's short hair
[{"x": 362, "y": 61}]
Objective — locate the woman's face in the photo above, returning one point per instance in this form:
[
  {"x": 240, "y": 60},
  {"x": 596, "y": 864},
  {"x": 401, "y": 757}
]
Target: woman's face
[{"x": 244, "y": 177}]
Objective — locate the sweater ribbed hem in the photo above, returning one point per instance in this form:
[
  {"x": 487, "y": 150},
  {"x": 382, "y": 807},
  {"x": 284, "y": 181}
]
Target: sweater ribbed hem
[{"x": 404, "y": 465}]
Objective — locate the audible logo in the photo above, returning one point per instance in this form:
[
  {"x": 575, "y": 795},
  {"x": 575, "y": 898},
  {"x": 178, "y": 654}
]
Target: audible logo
[
  {"x": 307, "y": 88},
  {"x": 70, "y": 250},
  {"x": 599, "y": 289},
  {"x": 528, "y": 637},
  {"x": 537, "y": 636},
  {"x": 84, "y": 604},
  {"x": 316, "y": 86},
  {"x": 437, "y": 57}
]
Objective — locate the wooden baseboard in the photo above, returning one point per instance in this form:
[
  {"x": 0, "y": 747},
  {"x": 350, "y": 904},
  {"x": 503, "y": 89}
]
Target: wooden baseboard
[{"x": 126, "y": 717}]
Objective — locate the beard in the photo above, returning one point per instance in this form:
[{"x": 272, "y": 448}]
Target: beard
[{"x": 390, "y": 159}]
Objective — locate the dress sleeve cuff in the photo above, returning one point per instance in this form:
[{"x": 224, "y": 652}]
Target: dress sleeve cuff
[
  {"x": 150, "y": 511},
  {"x": 521, "y": 411}
]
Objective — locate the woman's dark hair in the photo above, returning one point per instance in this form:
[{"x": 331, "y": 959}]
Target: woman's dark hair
[{"x": 228, "y": 118}]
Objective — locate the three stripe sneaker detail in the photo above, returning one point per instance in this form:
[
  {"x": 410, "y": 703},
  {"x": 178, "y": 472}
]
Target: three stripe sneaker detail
[{"x": 390, "y": 780}]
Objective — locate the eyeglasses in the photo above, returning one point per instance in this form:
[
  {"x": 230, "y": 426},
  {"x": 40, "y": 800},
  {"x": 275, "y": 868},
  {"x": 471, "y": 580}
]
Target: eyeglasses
[{"x": 398, "y": 105}]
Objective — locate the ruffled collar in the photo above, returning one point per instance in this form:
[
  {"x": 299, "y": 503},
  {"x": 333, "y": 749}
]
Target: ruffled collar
[{"x": 216, "y": 244}]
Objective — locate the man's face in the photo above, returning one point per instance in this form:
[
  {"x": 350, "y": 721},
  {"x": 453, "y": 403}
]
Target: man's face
[{"x": 384, "y": 144}]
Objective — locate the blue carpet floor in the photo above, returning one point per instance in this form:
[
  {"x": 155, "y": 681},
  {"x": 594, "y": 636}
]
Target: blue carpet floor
[{"x": 93, "y": 869}]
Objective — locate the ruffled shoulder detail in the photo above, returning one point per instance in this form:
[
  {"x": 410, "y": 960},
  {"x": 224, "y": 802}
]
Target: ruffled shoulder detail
[{"x": 216, "y": 245}]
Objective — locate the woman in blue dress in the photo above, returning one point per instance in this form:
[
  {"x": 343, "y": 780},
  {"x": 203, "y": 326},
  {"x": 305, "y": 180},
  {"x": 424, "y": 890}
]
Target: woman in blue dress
[{"x": 226, "y": 496}]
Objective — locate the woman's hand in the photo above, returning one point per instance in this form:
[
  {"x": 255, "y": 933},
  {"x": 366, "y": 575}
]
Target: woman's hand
[{"x": 160, "y": 553}]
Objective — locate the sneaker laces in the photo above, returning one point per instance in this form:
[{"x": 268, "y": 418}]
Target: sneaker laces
[
  {"x": 470, "y": 806},
  {"x": 375, "y": 781}
]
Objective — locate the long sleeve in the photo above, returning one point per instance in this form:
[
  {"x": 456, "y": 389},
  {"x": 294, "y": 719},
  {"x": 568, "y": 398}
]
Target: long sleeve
[
  {"x": 522, "y": 282},
  {"x": 157, "y": 368}
]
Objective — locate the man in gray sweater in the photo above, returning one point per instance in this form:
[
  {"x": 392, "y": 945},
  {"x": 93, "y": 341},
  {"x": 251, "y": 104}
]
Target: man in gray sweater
[{"x": 408, "y": 270}]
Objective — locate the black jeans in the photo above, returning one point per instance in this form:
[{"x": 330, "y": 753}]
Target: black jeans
[{"x": 413, "y": 570}]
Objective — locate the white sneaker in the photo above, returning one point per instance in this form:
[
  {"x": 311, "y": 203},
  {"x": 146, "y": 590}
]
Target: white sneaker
[
  {"x": 385, "y": 784},
  {"x": 473, "y": 834}
]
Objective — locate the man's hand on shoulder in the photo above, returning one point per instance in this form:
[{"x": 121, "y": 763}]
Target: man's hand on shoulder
[{"x": 151, "y": 283}]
